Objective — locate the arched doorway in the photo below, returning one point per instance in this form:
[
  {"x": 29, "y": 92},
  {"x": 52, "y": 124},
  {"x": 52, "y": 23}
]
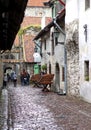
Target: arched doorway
[
  {"x": 7, "y": 69},
  {"x": 57, "y": 78}
]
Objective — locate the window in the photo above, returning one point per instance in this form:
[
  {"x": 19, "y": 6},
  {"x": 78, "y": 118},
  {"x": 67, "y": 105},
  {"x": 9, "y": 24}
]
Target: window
[
  {"x": 86, "y": 70},
  {"x": 87, "y": 4}
]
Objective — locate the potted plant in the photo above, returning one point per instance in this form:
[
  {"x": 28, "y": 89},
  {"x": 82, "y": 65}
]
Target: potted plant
[{"x": 44, "y": 68}]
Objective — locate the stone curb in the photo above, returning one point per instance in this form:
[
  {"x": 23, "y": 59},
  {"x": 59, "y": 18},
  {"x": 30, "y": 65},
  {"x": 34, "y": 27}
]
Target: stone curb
[{"x": 5, "y": 108}]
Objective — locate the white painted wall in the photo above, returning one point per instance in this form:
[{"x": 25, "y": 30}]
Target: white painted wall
[
  {"x": 59, "y": 50},
  {"x": 46, "y": 57},
  {"x": 85, "y": 49},
  {"x": 58, "y": 56},
  {"x": 75, "y": 9},
  {"x": 72, "y": 10}
]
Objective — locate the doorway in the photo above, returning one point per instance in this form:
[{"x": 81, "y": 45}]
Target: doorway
[{"x": 57, "y": 78}]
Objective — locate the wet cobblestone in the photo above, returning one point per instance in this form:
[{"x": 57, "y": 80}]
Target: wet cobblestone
[{"x": 32, "y": 109}]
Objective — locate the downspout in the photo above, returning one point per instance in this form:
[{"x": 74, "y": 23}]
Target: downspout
[{"x": 65, "y": 59}]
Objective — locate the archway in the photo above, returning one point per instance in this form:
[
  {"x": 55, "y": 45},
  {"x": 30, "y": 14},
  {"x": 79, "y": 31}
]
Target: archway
[{"x": 7, "y": 69}]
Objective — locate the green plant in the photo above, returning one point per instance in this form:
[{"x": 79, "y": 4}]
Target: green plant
[
  {"x": 23, "y": 30},
  {"x": 44, "y": 67}
]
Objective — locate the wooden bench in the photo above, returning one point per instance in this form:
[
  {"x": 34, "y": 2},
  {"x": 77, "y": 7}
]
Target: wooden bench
[
  {"x": 35, "y": 78},
  {"x": 46, "y": 80}
]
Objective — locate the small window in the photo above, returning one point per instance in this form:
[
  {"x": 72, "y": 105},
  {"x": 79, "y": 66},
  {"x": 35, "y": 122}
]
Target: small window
[
  {"x": 87, "y": 4},
  {"x": 86, "y": 70}
]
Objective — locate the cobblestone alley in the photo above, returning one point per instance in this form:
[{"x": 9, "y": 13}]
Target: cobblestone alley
[{"x": 32, "y": 109}]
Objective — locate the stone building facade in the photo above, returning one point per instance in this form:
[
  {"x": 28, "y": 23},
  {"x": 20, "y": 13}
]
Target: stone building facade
[
  {"x": 78, "y": 46},
  {"x": 85, "y": 49},
  {"x": 72, "y": 48}
]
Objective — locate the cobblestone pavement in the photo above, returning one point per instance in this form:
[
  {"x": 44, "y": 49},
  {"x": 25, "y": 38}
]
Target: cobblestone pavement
[{"x": 32, "y": 109}]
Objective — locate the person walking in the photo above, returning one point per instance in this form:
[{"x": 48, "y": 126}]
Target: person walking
[
  {"x": 11, "y": 76},
  {"x": 22, "y": 78},
  {"x": 15, "y": 79}
]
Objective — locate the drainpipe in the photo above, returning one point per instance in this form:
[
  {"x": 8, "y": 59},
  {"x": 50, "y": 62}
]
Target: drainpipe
[{"x": 65, "y": 61}]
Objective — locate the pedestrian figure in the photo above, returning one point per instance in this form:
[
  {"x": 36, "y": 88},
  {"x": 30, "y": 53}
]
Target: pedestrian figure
[
  {"x": 14, "y": 79},
  {"x": 22, "y": 78},
  {"x": 5, "y": 80},
  {"x": 25, "y": 78},
  {"x": 12, "y": 74}
]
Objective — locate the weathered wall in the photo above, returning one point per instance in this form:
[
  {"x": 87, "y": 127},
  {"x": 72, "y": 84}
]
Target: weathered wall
[
  {"x": 72, "y": 47},
  {"x": 85, "y": 50}
]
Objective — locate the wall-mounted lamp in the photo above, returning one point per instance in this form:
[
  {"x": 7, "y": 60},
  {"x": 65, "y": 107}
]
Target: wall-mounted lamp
[
  {"x": 56, "y": 34},
  {"x": 85, "y": 31}
]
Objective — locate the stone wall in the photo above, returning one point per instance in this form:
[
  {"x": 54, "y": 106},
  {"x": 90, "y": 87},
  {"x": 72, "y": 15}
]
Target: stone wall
[{"x": 72, "y": 47}]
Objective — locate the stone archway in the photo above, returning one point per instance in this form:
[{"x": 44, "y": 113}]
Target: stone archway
[{"x": 7, "y": 68}]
